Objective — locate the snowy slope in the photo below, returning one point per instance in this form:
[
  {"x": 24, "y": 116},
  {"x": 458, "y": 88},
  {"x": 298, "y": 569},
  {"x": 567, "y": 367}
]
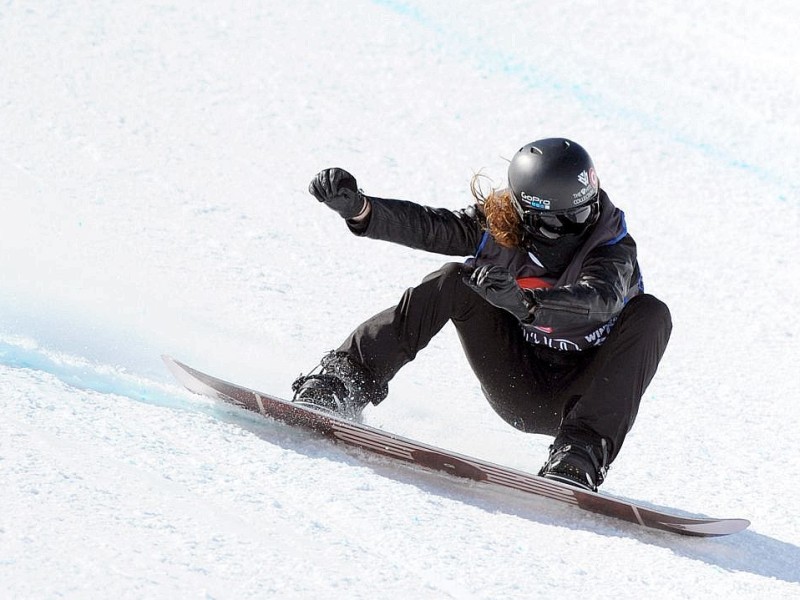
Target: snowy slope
[{"x": 154, "y": 161}]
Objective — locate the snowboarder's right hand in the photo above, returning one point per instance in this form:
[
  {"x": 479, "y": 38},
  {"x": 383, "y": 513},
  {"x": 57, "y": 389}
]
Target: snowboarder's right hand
[{"x": 339, "y": 190}]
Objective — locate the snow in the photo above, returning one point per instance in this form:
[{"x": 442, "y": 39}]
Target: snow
[{"x": 154, "y": 160}]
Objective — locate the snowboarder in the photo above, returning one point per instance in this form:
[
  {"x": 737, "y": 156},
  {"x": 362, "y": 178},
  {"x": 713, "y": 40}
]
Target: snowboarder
[{"x": 549, "y": 308}]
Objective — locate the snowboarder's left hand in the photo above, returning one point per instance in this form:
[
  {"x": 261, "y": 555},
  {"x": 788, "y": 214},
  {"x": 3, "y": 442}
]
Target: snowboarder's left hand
[{"x": 497, "y": 286}]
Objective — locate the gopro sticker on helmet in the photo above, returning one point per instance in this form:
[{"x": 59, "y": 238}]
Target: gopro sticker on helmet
[{"x": 536, "y": 202}]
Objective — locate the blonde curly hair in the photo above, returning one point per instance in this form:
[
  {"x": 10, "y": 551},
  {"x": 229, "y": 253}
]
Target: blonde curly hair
[{"x": 502, "y": 221}]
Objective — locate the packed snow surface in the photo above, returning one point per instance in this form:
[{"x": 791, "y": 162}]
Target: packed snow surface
[{"x": 154, "y": 164}]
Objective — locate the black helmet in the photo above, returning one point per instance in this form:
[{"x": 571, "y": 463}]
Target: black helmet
[{"x": 554, "y": 187}]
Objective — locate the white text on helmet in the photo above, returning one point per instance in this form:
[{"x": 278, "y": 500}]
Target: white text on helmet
[{"x": 535, "y": 201}]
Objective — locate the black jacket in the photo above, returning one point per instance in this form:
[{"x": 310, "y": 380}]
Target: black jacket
[{"x": 575, "y": 308}]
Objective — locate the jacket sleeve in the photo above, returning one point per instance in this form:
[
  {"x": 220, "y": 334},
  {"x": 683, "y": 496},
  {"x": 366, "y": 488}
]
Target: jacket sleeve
[
  {"x": 599, "y": 294},
  {"x": 439, "y": 230}
]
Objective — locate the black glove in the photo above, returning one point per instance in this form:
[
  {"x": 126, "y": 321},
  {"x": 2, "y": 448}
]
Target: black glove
[
  {"x": 498, "y": 287},
  {"x": 338, "y": 189}
]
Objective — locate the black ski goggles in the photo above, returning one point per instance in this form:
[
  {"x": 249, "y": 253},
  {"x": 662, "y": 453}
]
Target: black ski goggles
[{"x": 554, "y": 224}]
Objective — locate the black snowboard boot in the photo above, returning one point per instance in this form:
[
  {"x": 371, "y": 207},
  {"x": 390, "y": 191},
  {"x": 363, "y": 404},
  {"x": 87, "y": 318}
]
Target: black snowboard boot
[
  {"x": 340, "y": 386},
  {"x": 577, "y": 463}
]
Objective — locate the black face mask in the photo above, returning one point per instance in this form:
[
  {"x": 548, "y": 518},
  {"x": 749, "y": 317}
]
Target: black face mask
[{"x": 554, "y": 254}]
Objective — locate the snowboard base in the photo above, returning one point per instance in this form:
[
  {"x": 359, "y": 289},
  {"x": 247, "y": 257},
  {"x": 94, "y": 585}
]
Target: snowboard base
[{"x": 403, "y": 449}]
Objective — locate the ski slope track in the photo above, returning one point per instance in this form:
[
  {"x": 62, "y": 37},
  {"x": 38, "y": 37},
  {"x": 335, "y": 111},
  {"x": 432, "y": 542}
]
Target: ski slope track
[{"x": 154, "y": 164}]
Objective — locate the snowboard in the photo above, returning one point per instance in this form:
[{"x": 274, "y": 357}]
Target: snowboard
[{"x": 403, "y": 449}]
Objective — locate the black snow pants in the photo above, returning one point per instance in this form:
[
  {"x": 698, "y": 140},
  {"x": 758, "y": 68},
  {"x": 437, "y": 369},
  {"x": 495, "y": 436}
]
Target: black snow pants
[{"x": 535, "y": 389}]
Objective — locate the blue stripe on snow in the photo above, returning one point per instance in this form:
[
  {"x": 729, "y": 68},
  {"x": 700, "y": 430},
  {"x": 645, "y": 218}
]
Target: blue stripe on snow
[{"x": 493, "y": 61}]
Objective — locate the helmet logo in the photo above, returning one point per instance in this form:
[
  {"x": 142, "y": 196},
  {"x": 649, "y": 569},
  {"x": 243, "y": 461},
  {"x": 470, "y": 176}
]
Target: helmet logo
[
  {"x": 535, "y": 201},
  {"x": 587, "y": 192}
]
